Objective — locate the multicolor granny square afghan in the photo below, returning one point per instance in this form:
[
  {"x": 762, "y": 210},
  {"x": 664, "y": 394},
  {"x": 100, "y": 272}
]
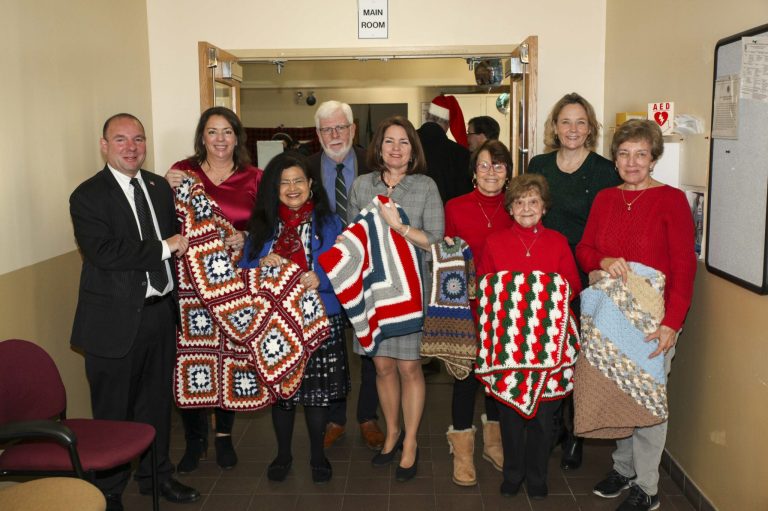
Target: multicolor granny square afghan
[
  {"x": 376, "y": 274},
  {"x": 450, "y": 333},
  {"x": 528, "y": 338},
  {"x": 245, "y": 334},
  {"x": 619, "y": 387}
]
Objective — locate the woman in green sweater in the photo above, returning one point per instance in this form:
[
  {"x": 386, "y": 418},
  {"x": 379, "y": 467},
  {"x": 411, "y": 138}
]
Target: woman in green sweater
[{"x": 575, "y": 173}]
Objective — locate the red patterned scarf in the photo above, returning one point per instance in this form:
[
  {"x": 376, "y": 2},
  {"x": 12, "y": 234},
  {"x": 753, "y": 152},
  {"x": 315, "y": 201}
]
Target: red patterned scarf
[{"x": 289, "y": 244}]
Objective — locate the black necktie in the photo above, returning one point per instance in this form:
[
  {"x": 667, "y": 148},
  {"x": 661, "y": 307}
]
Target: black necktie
[
  {"x": 158, "y": 278},
  {"x": 341, "y": 194}
]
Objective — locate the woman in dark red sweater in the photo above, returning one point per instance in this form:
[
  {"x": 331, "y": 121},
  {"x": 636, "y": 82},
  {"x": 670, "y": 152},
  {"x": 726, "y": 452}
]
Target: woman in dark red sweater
[
  {"x": 473, "y": 217},
  {"x": 528, "y": 246},
  {"x": 645, "y": 221}
]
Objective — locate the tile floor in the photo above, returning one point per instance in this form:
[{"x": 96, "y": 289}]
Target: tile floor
[{"x": 358, "y": 486}]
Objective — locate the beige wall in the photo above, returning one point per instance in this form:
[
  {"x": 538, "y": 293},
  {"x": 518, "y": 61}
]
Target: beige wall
[
  {"x": 66, "y": 67},
  {"x": 658, "y": 50},
  {"x": 571, "y": 44}
]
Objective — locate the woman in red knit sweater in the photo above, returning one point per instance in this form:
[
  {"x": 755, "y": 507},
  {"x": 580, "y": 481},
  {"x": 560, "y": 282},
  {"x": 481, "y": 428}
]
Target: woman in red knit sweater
[
  {"x": 473, "y": 217},
  {"x": 528, "y": 246},
  {"x": 645, "y": 221}
]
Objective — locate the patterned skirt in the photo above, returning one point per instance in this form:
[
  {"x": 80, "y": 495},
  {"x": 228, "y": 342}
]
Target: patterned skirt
[{"x": 326, "y": 377}]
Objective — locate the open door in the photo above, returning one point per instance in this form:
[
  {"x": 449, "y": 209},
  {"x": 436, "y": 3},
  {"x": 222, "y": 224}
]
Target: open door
[
  {"x": 220, "y": 77},
  {"x": 523, "y": 93}
]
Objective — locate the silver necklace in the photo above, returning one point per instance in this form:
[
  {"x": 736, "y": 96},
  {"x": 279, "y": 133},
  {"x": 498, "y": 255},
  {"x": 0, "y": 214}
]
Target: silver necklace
[{"x": 486, "y": 216}]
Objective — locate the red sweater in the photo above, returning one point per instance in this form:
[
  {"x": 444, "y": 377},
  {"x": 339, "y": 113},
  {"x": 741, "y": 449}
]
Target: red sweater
[
  {"x": 657, "y": 232},
  {"x": 465, "y": 217},
  {"x": 505, "y": 250}
]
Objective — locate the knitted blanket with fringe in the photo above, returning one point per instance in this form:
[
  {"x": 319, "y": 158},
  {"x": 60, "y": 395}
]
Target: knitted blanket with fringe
[
  {"x": 618, "y": 387},
  {"x": 376, "y": 274},
  {"x": 450, "y": 333},
  {"x": 245, "y": 334},
  {"x": 528, "y": 338}
]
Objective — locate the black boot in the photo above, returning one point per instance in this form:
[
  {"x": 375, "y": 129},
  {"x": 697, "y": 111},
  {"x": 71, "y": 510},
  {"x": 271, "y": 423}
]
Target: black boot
[
  {"x": 572, "y": 453},
  {"x": 225, "y": 452},
  {"x": 196, "y": 450}
]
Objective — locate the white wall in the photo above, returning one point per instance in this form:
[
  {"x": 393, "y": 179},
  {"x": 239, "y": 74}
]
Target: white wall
[{"x": 571, "y": 44}]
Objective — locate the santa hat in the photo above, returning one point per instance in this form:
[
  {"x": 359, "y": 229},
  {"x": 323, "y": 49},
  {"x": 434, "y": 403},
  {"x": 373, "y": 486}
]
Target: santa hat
[{"x": 447, "y": 108}]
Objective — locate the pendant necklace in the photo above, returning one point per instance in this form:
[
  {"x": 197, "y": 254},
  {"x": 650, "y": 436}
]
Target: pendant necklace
[
  {"x": 527, "y": 248},
  {"x": 486, "y": 216},
  {"x": 218, "y": 179},
  {"x": 390, "y": 188},
  {"x": 629, "y": 204}
]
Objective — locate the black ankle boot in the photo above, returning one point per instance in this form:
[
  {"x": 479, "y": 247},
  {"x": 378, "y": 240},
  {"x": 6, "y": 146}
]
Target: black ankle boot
[
  {"x": 196, "y": 450},
  {"x": 572, "y": 453},
  {"x": 225, "y": 452}
]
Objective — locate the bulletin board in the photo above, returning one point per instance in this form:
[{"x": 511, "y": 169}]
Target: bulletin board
[{"x": 737, "y": 211}]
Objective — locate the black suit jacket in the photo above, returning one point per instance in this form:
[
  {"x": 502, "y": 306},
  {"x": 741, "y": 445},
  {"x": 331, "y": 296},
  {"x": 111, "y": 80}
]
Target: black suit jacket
[
  {"x": 113, "y": 281},
  {"x": 447, "y": 162},
  {"x": 362, "y": 166}
]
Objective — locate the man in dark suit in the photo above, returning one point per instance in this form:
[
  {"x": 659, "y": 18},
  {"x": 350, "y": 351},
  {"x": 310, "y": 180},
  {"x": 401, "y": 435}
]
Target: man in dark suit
[
  {"x": 447, "y": 161},
  {"x": 125, "y": 226},
  {"x": 339, "y": 164}
]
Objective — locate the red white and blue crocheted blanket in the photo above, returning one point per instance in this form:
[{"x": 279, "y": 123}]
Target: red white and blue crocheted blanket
[
  {"x": 376, "y": 274},
  {"x": 528, "y": 338},
  {"x": 246, "y": 334}
]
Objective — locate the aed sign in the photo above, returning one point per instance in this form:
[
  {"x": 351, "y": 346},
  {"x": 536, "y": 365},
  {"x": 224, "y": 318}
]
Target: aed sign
[
  {"x": 372, "y": 19},
  {"x": 664, "y": 115}
]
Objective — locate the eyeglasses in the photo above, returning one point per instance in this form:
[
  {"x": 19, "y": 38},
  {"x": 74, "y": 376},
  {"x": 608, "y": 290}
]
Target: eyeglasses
[
  {"x": 485, "y": 167},
  {"x": 299, "y": 181},
  {"x": 472, "y": 133},
  {"x": 341, "y": 128}
]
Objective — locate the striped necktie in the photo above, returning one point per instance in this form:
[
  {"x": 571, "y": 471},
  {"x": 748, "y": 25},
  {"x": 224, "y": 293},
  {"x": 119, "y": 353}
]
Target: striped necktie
[
  {"x": 158, "y": 279},
  {"x": 341, "y": 194}
]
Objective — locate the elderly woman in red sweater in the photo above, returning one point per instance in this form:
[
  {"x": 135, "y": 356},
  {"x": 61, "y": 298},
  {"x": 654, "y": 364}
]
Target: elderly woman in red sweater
[
  {"x": 527, "y": 246},
  {"x": 644, "y": 221}
]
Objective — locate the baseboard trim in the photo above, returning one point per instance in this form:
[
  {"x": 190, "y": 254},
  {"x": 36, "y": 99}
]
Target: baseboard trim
[{"x": 692, "y": 492}]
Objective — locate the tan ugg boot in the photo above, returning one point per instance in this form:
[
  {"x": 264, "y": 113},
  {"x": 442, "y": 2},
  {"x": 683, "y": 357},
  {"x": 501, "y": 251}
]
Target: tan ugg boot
[
  {"x": 463, "y": 449},
  {"x": 492, "y": 450}
]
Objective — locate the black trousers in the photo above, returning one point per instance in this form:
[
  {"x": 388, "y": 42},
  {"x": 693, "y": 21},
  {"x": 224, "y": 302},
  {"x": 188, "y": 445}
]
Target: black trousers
[
  {"x": 527, "y": 443},
  {"x": 367, "y": 400},
  {"x": 138, "y": 387},
  {"x": 463, "y": 403}
]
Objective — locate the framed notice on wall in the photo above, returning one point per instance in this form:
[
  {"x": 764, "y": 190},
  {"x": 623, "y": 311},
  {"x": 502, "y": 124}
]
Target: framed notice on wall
[{"x": 737, "y": 206}]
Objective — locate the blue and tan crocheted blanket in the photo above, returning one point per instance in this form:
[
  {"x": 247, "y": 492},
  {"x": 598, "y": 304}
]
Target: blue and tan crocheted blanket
[{"x": 618, "y": 388}]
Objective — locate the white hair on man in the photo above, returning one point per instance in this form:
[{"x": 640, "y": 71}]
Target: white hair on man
[{"x": 328, "y": 108}]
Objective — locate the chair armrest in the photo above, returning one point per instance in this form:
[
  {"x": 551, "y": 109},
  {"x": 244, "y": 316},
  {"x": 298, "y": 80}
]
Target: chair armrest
[{"x": 24, "y": 430}]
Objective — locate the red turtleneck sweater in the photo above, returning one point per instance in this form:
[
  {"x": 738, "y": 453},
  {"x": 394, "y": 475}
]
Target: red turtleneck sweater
[
  {"x": 505, "y": 250},
  {"x": 468, "y": 217}
]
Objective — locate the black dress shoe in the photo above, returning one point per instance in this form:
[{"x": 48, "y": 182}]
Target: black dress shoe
[
  {"x": 383, "y": 459},
  {"x": 572, "y": 453},
  {"x": 538, "y": 492},
  {"x": 174, "y": 491},
  {"x": 509, "y": 489},
  {"x": 195, "y": 451},
  {"x": 226, "y": 457},
  {"x": 114, "y": 502},
  {"x": 277, "y": 471},
  {"x": 322, "y": 473},
  {"x": 403, "y": 474}
]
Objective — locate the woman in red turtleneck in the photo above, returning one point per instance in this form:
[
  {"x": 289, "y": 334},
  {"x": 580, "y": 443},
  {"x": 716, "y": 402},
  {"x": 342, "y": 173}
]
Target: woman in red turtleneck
[
  {"x": 473, "y": 217},
  {"x": 527, "y": 246}
]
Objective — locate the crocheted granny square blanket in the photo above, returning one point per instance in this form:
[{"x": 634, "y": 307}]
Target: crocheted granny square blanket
[
  {"x": 450, "y": 333},
  {"x": 376, "y": 274},
  {"x": 245, "y": 334},
  {"x": 619, "y": 388},
  {"x": 528, "y": 338}
]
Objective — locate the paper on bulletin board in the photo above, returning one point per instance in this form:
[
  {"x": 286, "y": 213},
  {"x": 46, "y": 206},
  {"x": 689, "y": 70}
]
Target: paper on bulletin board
[
  {"x": 754, "y": 68},
  {"x": 725, "y": 120}
]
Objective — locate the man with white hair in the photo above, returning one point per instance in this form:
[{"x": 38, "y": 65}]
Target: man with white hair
[
  {"x": 447, "y": 161},
  {"x": 339, "y": 164}
]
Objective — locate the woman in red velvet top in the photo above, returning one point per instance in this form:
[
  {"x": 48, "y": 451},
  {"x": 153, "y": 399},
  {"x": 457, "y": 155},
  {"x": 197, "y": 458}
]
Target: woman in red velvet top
[
  {"x": 473, "y": 217},
  {"x": 648, "y": 222},
  {"x": 222, "y": 163},
  {"x": 528, "y": 246}
]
